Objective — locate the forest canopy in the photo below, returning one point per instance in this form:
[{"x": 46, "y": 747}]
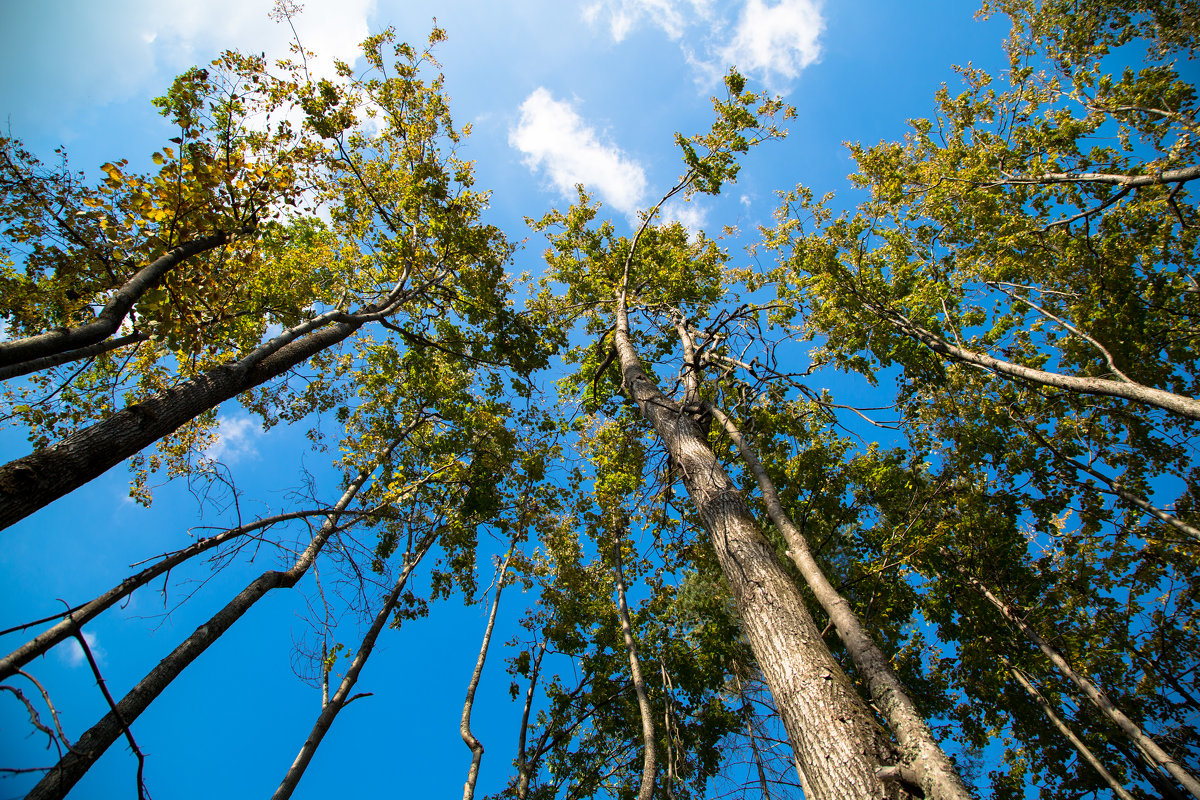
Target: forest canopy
[{"x": 894, "y": 496}]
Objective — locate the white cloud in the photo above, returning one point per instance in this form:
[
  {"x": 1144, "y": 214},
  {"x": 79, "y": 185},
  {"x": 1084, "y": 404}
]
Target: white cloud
[
  {"x": 558, "y": 142},
  {"x": 688, "y": 214},
  {"x": 770, "y": 41},
  {"x": 236, "y": 440},
  {"x": 71, "y": 653},
  {"x": 776, "y": 40}
]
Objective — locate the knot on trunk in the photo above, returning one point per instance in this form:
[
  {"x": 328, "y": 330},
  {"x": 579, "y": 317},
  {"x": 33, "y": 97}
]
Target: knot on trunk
[{"x": 903, "y": 775}]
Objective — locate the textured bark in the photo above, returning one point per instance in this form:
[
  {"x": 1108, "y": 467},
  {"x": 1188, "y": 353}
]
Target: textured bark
[
  {"x": 1138, "y": 393},
  {"x": 837, "y": 744},
  {"x": 65, "y": 629},
  {"x": 109, "y": 319},
  {"x": 1084, "y": 751},
  {"x": 97, "y": 739},
  {"x": 1157, "y": 756},
  {"x": 342, "y": 696},
  {"x": 1116, "y": 179},
  {"x": 464, "y": 727},
  {"x": 523, "y": 765},
  {"x": 935, "y": 772},
  {"x": 79, "y": 354},
  {"x": 649, "y": 767},
  {"x": 38, "y": 479}
]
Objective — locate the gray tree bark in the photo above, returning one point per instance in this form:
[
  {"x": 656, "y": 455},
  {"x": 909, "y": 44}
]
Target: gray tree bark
[
  {"x": 837, "y": 743},
  {"x": 921, "y": 752}
]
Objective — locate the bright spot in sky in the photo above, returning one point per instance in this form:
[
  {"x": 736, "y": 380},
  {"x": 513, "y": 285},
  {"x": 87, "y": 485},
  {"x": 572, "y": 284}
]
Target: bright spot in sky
[
  {"x": 558, "y": 142},
  {"x": 236, "y": 437},
  {"x": 776, "y": 41},
  {"x": 71, "y": 653}
]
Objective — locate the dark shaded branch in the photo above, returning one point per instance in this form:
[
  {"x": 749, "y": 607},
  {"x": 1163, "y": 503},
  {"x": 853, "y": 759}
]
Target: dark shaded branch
[
  {"x": 115, "y": 711},
  {"x": 83, "y": 614},
  {"x": 36, "y": 364},
  {"x": 110, "y": 317},
  {"x": 97, "y": 739}
]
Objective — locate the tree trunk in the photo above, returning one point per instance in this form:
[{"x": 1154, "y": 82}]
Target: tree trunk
[
  {"x": 646, "y": 789},
  {"x": 108, "y": 321},
  {"x": 936, "y": 773},
  {"x": 835, "y": 740},
  {"x": 65, "y": 629},
  {"x": 339, "y": 699},
  {"x": 464, "y": 727},
  {"x": 38, "y": 364},
  {"x": 27, "y": 484}
]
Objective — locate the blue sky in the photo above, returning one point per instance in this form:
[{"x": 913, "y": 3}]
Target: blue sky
[{"x": 557, "y": 93}]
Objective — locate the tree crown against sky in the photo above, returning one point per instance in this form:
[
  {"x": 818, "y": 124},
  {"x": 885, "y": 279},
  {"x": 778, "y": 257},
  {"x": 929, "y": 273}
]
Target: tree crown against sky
[{"x": 1003, "y": 573}]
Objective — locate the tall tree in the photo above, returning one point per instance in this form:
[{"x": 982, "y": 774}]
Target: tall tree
[
  {"x": 839, "y": 747},
  {"x": 1024, "y": 266}
]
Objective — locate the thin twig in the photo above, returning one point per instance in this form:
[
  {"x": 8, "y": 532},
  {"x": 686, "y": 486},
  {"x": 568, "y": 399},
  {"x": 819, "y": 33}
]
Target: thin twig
[{"x": 143, "y": 794}]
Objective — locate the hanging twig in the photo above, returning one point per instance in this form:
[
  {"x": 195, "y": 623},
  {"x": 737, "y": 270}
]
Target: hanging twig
[{"x": 49, "y": 705}]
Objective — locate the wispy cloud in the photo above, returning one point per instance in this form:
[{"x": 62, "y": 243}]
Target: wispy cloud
[
  {"x": 771, "y": 42},
  {"x": 557, "y": 142},
  {"x": 672, "y": 16},
  {"x": 71, "y": 653},
  {"x": 236, "y": 440}
]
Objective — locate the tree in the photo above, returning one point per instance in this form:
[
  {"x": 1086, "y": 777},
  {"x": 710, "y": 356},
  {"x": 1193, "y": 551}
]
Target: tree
[
  {"x": 839, "y": 748},
  {"x": 1023, "y": 266},
  {"x": 403, "y": 251},
  {"x": 1022, "y": 537}
]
